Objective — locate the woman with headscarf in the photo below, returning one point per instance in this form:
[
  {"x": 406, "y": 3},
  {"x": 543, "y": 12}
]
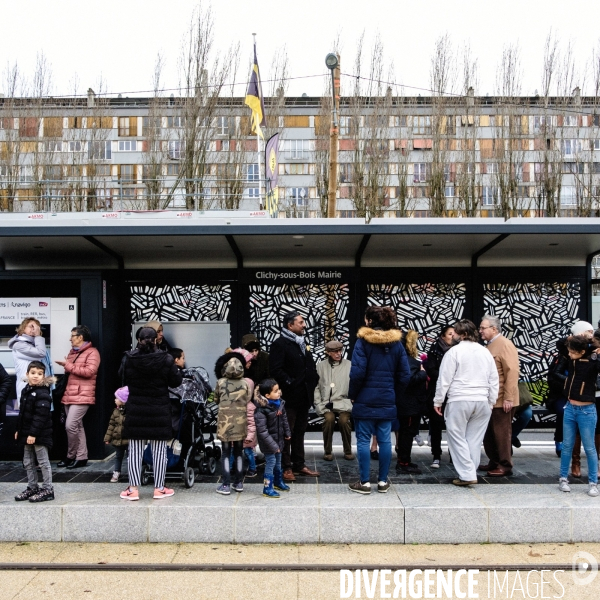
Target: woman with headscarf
[
  {"x": 148, "y": 373},
  {"x": 161, "y": 342}
]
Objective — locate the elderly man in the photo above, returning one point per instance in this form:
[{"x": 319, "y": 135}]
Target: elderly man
[
  {"x": 497, "y": 439},
  {"x": 331, "y": 398},
  {"x": 292, "y": 365}
]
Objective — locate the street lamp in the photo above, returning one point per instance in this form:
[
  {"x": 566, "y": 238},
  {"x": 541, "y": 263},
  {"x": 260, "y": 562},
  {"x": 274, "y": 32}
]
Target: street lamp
[{"x": 332, "y": 61}]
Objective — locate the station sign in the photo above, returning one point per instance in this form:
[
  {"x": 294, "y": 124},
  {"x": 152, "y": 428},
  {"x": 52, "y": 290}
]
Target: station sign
[{"x": 14, "y": 310}]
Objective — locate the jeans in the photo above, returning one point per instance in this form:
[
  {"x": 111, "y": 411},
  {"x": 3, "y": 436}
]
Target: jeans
[
  {"x": 521, "y": 421},
  {"x": 584, "y": 418},
  {"x": 29, "y": 454},
  {"x": 364, "y": 429},
  {"x": 229, "y": 448},
  {"x": 119, "y": 455},
  {"x": 249, "y": 454},
  {"x": 272, "y": 463}
]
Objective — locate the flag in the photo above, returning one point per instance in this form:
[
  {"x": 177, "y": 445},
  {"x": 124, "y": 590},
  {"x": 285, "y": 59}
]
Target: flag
[
  {"x": 254, "y": 99},
  {"x": 271, "y": 173}
]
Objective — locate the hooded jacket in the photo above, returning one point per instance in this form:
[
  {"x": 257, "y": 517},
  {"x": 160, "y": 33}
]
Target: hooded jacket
[
  {"x": 114, "y": 433},
  {"x": 581, "y": 381},
  {"x": 82, "y": 366},
  {"x": 149, "y": 377},
  {"x": 232, "y": 394},
  {"x": 272, "y": 426},
  {"x": 432, "y": 366},
  {"x": 26, "y": 348},
  {"x": 379, "y": 374},
  {"x": 414, "y": 399},
  {"x": 35, "y": 418}
]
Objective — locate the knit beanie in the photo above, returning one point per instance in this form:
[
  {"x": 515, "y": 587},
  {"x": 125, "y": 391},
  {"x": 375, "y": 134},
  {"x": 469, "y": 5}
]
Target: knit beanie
[
  {"x": 122, "y": 394},
  {"x": 581, "y": 327}
]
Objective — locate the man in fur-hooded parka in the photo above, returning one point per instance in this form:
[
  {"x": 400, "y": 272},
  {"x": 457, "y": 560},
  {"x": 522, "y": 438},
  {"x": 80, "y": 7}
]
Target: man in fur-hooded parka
[
  {"x": 379, "y": 374},
  {"x": 232, "y": 394},
  {"x": 35, "y": 416}
]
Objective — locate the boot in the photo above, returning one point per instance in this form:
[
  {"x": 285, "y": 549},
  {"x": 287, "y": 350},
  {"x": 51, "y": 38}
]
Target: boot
[
  {"x": 268, "y": 490},
  {"x": 278, "y": 481},
  {"x": 576, "y": 457}
]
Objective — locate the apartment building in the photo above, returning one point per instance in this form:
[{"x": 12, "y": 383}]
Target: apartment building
[{"x": 398, "y": 156}]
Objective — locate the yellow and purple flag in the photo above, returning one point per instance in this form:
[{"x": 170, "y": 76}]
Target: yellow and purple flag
[{"x": 254, "y": 99}]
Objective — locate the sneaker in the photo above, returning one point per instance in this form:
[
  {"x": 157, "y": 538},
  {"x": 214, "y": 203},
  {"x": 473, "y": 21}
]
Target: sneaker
[
  {"x": 115, "y": 477},
  {"x": 224, "y": 489},
  {"x": 419, "y": 440},
  {"x": 558, "y": 448},
  {"x": 164, "y": 493},
  {"x": 130, "y": 494},
  {"x": 42, "y": 496},
  {"x": 435, "y": 464},
  {"x": 360, "y": 488},
  {"x": 28, "y": 493},
  {"x": 383, "y": 486},
  {"x": 593, "y": 489},
  {"x": 563, "y": 485},
  {"x": 408, "y": 468},
  {"x": 238, "y": 487},
  {"x": 250, "y": 473}
]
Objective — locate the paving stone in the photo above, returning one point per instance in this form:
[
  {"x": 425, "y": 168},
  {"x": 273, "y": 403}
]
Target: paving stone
[{"x": 28, "y": 522}]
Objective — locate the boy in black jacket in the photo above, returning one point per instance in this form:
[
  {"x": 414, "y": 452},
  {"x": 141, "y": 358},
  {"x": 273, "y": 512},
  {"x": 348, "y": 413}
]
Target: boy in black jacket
[{"x": 34, "y": 431}]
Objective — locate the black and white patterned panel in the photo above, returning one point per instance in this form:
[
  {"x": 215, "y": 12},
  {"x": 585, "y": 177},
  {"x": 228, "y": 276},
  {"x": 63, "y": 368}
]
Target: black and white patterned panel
[
  {"x": 323, "y": 306},
  {"x": 424, "y": 307},
  {"x": 534, "y": 316},
  {"x": 180, "y": 303}
]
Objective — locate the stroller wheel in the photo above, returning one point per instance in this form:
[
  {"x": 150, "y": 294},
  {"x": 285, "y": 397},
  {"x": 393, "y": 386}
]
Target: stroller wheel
[
  {"x": 217, "y": 452},
  {"x": 145, "y": 477},
  {"x": 212, "y": 465},
  {"x": 189, "y": 477}
]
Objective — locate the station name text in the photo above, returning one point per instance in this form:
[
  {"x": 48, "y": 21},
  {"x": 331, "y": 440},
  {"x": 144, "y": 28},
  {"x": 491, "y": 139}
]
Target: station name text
[{"x": 299, "y": 275}]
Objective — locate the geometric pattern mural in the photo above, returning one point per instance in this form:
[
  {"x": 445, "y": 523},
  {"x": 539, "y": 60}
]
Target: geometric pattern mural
[
  {"x": 534, "y": 316},
  {"x": 424, "y": 307},
  {"x": 323, "y": 306},
  {"x": 180, "y": 302}
]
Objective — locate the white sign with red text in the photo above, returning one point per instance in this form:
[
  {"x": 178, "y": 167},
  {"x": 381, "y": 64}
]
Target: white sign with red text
[{"x": 14, "y": 310}]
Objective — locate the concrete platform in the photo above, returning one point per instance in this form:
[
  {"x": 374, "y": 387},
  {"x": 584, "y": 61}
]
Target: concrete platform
[{"x": 310, "y": 513}]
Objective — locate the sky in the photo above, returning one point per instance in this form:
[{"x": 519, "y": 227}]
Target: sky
[{"x": 118, "y": 40}]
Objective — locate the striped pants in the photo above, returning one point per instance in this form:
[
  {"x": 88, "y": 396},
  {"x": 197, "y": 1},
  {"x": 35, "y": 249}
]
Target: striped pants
[{"x": 159, "y": 460}]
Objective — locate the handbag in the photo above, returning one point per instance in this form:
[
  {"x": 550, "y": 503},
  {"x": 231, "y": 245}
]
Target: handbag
[{"x": 61, "y": 386}]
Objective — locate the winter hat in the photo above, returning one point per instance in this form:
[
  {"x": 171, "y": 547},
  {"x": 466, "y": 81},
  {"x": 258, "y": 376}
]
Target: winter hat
[
  {"x": 581, "y": 327},
  {"x": 122, "y": 394},
  {"x": 250, "y": 342},
  {"x": 333, "y": 346},
  {"x": 248, "y": 356}
]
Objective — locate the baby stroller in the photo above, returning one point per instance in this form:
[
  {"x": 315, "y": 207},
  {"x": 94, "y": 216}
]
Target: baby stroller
[{"x": 192, "y": 451}]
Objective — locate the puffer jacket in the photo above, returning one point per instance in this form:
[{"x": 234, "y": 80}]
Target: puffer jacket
[
  {"x": 414, "y": 399},
  {"x": 149, "y": 377},
  {"x": 232, "y": 394},
  {"x": 35, "y": 417},
  {"x": 81, "y": 386},
  {"x": 581, "y": 381},
  {"x": 272, "y": 426},
  {"x": 432, "y": 366},
  {"x": 114, "y": 433},
  {"x": 251, "y": 440},
  {"x": 26, "y": 348},
  {"x": 379, "y": 374}
]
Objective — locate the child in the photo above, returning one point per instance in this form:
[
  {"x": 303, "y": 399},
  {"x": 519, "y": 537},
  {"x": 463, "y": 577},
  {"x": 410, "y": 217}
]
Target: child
[
  {"x": 232, "y": 394},
  {"x": 272, "y": 429},
  {"x": 34, "y": 431},
  {"x": 580, "y": 411},
  {"x": 114, "y": 433}
]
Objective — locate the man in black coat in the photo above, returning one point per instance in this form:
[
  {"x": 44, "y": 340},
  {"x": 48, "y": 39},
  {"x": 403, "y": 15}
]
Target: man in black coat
[{"x": 292, "y": 365}]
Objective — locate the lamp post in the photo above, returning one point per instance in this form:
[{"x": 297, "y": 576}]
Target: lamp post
[{"x": 333, "y": 64}]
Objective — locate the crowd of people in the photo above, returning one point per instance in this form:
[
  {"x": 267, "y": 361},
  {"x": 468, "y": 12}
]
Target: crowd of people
[{"x": 467, "y": 383}]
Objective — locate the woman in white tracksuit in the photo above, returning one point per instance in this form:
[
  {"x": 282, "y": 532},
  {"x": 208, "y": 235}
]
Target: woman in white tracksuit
[{"x": 469, "y": 379}]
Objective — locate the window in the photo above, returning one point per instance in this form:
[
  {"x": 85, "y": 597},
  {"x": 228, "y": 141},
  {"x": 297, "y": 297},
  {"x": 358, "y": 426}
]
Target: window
[
  {"x": 172, "y": 169},
  {"x": 53, "y": 146},
  {"x": 127, "y": 126},
  {"x": 573, "y": 168},
  {"x": 98, "y": 170},
  {"x": 296, "y": 169},
  {"x": 490, "y": 195},
  {"x": 76, "y": 146},
  {"x": 25, "y": 173},
  {"x": 447, "y": 173},
  {"x": 421, "y": 172},
  {"x": 377, "y": 121},
  {"x": 74, "y": 171},
  {"x": 346, "y": 172},
  {"x": 127, "y": 146},
  {"x": 449, "y": 191},
  {"x": 568, "y": 195},
  {"x": 570, "y": 121},
  {"x": 176, "y": 149},
  {"x": 6, "y": 123},
  {"x": 346, "y": 126},
  {"x": 298, "y": 196},
  {"x": 3, "y": 171},
  {"x": 422, "y": 125},
  {"x": 222, "y": 126},
  {"x": 295, "y": 149},
  {"x": 151, "y": 126},
  {"x": 492, "y": 168},
  {"x": 53, "y": 173},
  {"x": 596, "y": 120},
  {"x": 250, "y": 172},
  {"x": 450, "y": 124},
  {"x": 347, "y": 214},
  {"x": 596, "y": 168},
  {"x": 400, "y": 121},
  {"x": 174, "y": 121},
  {"x": 596, "y": 144},
  {"x": 253, "y": 193},
  {"x": 127, "y": 173},
  {"x": 100, "y": 150},
  {"x": 419, "y": 192},
  {"x": 571, "y": 147}
]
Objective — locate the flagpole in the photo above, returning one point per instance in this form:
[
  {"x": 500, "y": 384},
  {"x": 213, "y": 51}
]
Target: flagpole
[{"x": 258, "y": 147}]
